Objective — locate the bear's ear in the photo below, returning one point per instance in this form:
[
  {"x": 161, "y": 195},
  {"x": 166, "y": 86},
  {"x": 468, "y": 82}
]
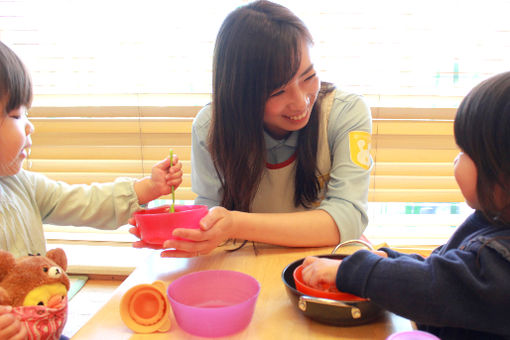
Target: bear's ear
[
  {"x": 7, "y": 262},
  {"x": 58, "y": 256}
]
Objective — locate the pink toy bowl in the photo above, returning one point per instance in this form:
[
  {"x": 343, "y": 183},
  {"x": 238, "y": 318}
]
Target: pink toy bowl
[
  {"x": 412, "y": 335},
  {"x": 213, "y": 303},
  {"x": 157, "y": 224}
]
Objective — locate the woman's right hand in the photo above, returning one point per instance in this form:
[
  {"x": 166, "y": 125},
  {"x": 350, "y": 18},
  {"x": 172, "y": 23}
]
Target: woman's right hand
[
  {"x": 11, "y": 327},
  {"x": 215, "y": 228},
  {"x": 139, "y": 244}
]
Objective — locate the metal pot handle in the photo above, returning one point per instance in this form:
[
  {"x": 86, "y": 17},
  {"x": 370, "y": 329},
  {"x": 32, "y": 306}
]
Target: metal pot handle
[
  {"x": 304, "y": 299},
  {"x": 346, "y": 243}
]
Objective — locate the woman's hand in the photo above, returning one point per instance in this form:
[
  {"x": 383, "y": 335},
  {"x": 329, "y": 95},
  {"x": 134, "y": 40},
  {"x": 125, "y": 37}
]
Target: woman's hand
[
  {"x": 11, "y": 327},
  {"x": 318, "y": 272},
  {"x": 140, "y": 244},
  {"x": 215, "y": 228}
]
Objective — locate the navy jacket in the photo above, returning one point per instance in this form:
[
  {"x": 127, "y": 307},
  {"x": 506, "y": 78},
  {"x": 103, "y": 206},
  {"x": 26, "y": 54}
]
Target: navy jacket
[{"x": 461, "y": 291}]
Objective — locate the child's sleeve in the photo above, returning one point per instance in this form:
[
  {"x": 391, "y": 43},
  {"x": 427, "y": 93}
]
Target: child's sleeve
[
  {"x": 461, "y": 288},
  {"x": 100, "y": 205}
]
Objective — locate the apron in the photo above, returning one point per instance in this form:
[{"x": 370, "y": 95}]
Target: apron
[{"x": 275, "y": 193}]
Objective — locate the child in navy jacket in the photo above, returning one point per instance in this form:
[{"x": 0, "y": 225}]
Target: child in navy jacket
[{"x": 462, "y": 290}]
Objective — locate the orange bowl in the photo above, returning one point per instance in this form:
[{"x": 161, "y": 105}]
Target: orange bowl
[{"x": 327, "y": 292}]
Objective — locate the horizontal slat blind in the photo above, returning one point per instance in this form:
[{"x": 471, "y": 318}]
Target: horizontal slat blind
[
  {"x": 413, "y": 151},
  {"x": 86, "y": 150},
  {"x": 413, "y": 157}
]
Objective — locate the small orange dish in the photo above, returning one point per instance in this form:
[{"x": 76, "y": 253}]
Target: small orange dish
[
  {"x": 144, "y": 308},
  {"x": 327, "y": 292}
]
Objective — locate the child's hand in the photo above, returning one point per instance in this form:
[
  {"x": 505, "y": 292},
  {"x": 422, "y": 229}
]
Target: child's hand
[
  {"x": 11, "y": 328},
  {"x": 380, "y": 253},
  {"x": 319, "y": 271},
  {"x": 163, "y": 177}
]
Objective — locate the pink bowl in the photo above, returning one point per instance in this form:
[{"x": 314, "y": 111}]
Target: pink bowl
[
  {"x": 412, "y": 335},
  {"x": 213, "y": 303},
  {"x": 157, "y": 224}
]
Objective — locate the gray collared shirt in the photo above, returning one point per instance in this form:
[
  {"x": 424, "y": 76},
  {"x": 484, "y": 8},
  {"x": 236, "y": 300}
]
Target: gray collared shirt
[
  {"x": 347, "y": 190},
  {"x": 279, "y": 150}
]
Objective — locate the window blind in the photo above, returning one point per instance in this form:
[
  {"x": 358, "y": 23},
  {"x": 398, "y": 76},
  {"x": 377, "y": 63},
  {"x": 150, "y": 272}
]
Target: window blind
[
  {"x": 413, "y": 156},
  {"x": 100, "y": 149},
  {"x": 118, "y": 82}
]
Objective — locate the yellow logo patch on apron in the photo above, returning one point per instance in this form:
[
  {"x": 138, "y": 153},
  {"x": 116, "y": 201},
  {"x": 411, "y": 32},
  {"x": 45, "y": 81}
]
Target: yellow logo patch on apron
[{"x": 360, "y": 143}]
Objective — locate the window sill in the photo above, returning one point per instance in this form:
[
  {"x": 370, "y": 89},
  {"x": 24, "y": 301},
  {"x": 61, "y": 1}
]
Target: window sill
[
  {"x": 409, "y": 225},
  {"x": 105, "y": 259},
  {"x": 406, "y": 227}
]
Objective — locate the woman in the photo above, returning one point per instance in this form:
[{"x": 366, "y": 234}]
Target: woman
[{"x": 282, "y": 158}]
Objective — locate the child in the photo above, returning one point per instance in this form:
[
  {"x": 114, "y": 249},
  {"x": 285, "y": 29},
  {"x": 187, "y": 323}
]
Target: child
[
  {"x": 461, "y": 291},
  {"x": 28, "y": 199}
]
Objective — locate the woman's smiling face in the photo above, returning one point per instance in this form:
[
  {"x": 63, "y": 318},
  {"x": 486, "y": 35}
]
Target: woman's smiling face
[{"x": 289, "y": 107}]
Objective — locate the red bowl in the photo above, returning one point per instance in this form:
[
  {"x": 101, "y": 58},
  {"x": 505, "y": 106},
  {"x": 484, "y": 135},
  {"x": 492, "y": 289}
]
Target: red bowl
[
  {"x": 156, "y": 225},
  {"x": 326, "y": 292}
]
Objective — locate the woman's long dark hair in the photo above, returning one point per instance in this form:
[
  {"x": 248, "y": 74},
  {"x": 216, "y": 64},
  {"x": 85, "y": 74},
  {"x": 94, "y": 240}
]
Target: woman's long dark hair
[
  {"x": 482, "y": 130},
  {"x": 15, "y": 82},
  {"x": 257, "y": 51}
]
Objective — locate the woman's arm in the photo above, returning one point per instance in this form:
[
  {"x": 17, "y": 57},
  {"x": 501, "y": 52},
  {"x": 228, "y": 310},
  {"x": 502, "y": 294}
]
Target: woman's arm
[
  {"x": 296, "y": 229},
  {"x": 349, "y": 130},
  {"x": 204, "y": 179},
  {"x": 314, "y": 228}
]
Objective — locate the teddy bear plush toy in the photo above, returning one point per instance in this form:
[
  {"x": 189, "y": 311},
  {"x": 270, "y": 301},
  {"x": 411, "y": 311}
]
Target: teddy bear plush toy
[{"x": 36, "y": 287}]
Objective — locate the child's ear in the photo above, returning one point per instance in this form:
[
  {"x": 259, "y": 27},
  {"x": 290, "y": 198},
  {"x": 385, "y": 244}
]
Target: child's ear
[
  {"x": 7, "y": 262},
  {"x": 58, "y": 256}
]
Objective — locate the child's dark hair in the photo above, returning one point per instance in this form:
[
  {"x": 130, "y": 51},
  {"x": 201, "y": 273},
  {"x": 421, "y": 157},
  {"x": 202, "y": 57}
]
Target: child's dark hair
[
  {"x": 482, "y": 131},
  {"x": 15, "y": 82}
]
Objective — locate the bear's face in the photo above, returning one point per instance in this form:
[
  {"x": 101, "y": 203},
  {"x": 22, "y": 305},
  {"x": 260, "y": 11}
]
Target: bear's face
[{"x": 33, "y": 280}]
